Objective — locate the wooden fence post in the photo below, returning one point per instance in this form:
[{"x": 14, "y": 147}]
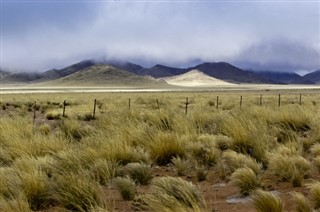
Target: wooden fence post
[
  {"x": 64, "y": 108},
  {"x": 158, "y": 104},
  {"x": 217, "y": 102},
  {"x": 94, "y": 108},
  {"x": 129, "y": 103},
  {"x": 279, "y": 100},
  {"x": 300, "y": 99},
  {"x": 34, "y": 113},
  {"x": 187, "y": 102},
  {"x": 260, "y": 101},
  {"x": 240, "y": 101}
]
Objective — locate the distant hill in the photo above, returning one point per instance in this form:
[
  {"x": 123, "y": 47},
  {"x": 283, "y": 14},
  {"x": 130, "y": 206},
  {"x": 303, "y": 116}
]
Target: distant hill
[
  {"x": 3, "y": 73},
  {"x": 159, "y": 71},
  {"x": 104, "y": 75},
  {"x": 283, "y": 77},
  {"x": 17, "y": 78},
  {"x": 220, "y": 70},
  {"x": 58, "y": 73},
  {"x": 194, "y": 78},
  {"x": 313, "y": 76},
  {"x": 230, "y": 73}
]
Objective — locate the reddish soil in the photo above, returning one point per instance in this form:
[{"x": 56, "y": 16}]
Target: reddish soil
[{"x": 216, "y": 191}]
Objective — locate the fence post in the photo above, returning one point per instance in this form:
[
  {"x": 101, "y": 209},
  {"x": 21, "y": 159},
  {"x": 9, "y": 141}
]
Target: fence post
[
  {"x": 34, "y": 113},
  {"x": 158, "y": 104},
  {"x": 129, "y": 103},
  {"x": 64, "y": 109},
  {"x": 94, "y": 108},
  {"x": 217, "y": 102},
  {"x": 300, "y": 98},
  {"x": 240, "y": 101},
  {"x": 260, "y": 102},
  {"x": 187, "y": 102},
  {"x": 279, "y": 101}
]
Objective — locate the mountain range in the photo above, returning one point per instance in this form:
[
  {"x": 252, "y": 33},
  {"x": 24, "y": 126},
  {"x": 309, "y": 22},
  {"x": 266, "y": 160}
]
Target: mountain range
[{"x": 122, "y": 72}]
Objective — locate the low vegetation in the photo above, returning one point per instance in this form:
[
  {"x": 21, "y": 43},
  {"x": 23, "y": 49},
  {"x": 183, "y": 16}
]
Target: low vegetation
[{"x": 155, "y": 157}]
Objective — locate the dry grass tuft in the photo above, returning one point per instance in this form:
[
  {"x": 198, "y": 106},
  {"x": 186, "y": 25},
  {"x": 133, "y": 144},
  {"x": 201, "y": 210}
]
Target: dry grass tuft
[
  {"x": 246, "y": 180},
  {"x": 265, "y": 201}
]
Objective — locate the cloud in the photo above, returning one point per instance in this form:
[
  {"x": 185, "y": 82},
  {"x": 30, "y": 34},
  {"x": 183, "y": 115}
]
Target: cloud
[
  {"x": 171, "y": 33},
  {"x": 279, "y": 55}
]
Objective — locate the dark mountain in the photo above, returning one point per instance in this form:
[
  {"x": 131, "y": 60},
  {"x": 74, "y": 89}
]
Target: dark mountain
[
  {"x": 55, "y": 74},
  {"x": 124, "y": 65},
  {"x": 230, "y": 73},
  {"x": 283, "y": 77},
  {"x": 313, "y": 76},
  {"x": 159, "y": 71}
]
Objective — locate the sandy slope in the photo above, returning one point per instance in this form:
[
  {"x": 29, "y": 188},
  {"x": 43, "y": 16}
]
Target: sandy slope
[{"x": 195, "y": 78}]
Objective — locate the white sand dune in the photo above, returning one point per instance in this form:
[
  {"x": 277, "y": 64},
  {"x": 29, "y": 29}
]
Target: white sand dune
[{"x": 195, "y": 78}]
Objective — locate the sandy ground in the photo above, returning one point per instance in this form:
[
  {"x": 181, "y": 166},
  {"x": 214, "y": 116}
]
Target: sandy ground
[{"x": 195, "y": 78}]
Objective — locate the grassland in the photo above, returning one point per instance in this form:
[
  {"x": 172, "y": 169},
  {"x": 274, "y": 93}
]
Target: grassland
[{"x": 155, "y": 157}]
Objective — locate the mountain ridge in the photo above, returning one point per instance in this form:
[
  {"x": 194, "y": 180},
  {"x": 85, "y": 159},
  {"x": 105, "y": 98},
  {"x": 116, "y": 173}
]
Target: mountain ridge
[{"x": 219, "y": 70}]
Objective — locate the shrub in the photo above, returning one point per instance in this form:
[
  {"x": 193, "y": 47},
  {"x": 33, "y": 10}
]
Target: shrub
[
  {"x": 126, "y": 186},
  {"x": 302, "y": 203},
  {"x": 201, "y": 173},
  {"x": 172, "y": 194},
  {"x": 265, "y": 201},
  {"x": 181, "y": 165},
  {"x": 245, "y": 179},
  {"x": 141, "y": 173}
]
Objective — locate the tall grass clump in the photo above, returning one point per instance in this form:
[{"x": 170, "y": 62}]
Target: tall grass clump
[
  {"x": 126, "y": 186},
  {"x": 172, "y": 194},
  {"x": 141, "y": 173},
  {"x": 103, "y": 171},
  {"x": 293, "y": 168},
  {"x": 18, "y": 204},
  {"x": 265, "y": 201},
  {"x": 35, "y": 187},
  {"x": 182, "y": 166},
  {"x": 315, "y": 194},
  {"x": 246, "y": 180},
  {"x": 164, "y": 147},
  {"x": 78, "y": 193},
  {"x": 302, "y": 203},
  {"x": 205, "y": 152},
  {"x": 248, "y": 136},
  {"x": 231, "y": 160},
  {"x": 294, "y": 118}
]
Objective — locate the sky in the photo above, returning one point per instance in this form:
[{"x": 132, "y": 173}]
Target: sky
[{"x": 39, "y": 35}]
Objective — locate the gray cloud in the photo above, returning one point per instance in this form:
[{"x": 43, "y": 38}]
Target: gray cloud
[
  {"x": 271, "y": 35},
  {"x": 279, "y": 55}
]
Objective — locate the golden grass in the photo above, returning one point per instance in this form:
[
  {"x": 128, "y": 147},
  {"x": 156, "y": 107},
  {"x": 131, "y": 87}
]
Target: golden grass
[
  {"x": 265, "y": 201},
  {"x": 67, "y": 162}
]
